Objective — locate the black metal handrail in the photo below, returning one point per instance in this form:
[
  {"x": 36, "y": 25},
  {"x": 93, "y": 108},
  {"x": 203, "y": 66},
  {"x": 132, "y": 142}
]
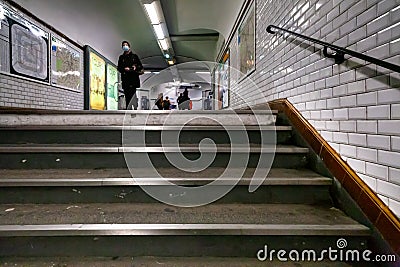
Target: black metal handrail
[{"x": 339, "y": 51}]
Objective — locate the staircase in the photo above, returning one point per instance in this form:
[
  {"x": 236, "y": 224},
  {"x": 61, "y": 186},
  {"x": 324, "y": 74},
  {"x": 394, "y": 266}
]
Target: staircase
[{"x": 68, "y": 197}]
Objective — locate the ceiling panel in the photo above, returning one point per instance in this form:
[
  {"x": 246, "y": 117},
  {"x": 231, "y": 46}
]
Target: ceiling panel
[{"x": 103, "y": 24}]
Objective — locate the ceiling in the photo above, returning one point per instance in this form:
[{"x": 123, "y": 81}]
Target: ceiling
[{"x": 196, "y": 28}]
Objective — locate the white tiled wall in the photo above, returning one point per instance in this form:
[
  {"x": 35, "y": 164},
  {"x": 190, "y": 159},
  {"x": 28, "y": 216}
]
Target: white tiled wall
[
  {"x": 355, "y": 106},
  {"x": 19, "y": 92}
]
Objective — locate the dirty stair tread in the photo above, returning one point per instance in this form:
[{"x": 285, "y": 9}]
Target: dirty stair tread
[
  {"x": 157, "y": 261},
  {"x": 157, "y": 213}
]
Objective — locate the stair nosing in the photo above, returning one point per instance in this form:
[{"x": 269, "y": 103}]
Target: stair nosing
[
  {"x": 134, "y": 112},
  {"x": 142, "y": 128},
  {"x": 38, "y": 182},
  {"x": 152, "y": 149},
  {"x": 182, "y": 229}
]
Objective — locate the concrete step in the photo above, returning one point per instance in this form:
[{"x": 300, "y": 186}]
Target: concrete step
[
  {"x": 297, "y": 215},
  {"x": 135, "y": 118},
  {"x": 117, "y": 135},
  {"x": 118, "y": 186},
  {"x": 159, "y": 261},
  {"x": 161, "y": 230},
  {"x": 109, "y": 156}
]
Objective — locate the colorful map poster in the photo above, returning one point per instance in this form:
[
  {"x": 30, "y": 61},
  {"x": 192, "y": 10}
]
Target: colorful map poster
[
  {"x": 66, "y": 65},
  {"x": 112, "y": 87},
  {"x": 97, "y": 76}
]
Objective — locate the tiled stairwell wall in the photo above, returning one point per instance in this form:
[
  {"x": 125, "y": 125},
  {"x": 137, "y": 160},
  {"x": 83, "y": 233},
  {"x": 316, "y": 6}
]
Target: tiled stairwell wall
[
  {"x": 19, "y": 92},
  {"x": 355, "y": 106}
]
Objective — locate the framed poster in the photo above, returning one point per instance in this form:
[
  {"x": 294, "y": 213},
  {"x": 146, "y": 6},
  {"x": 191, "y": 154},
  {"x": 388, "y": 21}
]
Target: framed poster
[
  {"x": 214, "y": 88},
  {"x": 225, "y": 81},
  {"x": 29, "y": 49},
  {"x": 218, "y": 86},
  {"x": 4, "y": 41},
  {"x": 66, "y": 62},
  {"x": 112, "y": 87},
  {"x": 222, "y": 75},
  {"x": 101, "y": 82},
  {"x": 247, "y": 42},
  {"x": 95, "y": 85}
]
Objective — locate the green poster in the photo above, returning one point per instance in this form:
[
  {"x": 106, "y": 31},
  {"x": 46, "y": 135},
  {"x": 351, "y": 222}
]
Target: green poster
[{"x": 112, "y": 88}]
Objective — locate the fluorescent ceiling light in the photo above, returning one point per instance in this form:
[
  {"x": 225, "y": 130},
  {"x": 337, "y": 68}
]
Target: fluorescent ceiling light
[
  {"x": 159, "y": 31},
  {"x": 203, "y": 72},
  {"x": 151, "y": 10},
  {"x": 171, "y": 62},
  {"x": 164, "y": 44}
]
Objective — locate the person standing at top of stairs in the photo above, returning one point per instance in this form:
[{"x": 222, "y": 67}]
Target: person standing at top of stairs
[{"x": 130, "y": 67}]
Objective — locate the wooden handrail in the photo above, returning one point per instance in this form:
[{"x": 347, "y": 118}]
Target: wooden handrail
[{"x": 377, "y": 212}]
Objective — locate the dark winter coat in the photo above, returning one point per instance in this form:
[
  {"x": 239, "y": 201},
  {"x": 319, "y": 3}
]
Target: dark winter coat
[{"x": 131, "y": 77}]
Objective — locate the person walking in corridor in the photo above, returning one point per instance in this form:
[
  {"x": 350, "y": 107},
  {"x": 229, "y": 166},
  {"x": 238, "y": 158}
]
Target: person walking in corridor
[
  {"x": 167, "y": 103},
  {"x": 185, "y": 100},
  {"x": 159, "y": 101},
  {"x": 180, "y": 101},
  {"x": 130, "y": 67}
]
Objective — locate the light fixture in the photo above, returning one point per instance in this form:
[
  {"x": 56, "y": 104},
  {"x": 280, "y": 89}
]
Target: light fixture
[
  {"x": 203, "y": 72},
  {"x": 152, "y": 12},
  {"x": 164, "y": 44},
  {"x": 159, "y": 31},
  {"x": 156, "y": 17}
]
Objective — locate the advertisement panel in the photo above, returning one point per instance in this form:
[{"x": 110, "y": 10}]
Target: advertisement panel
[
  {"x": 97, "y": 82},
  {"x": 225, "y": 80},
  {"x": 246, "y": 42},
  {"x": 101, "y": 82},
  {"x": 112, "y": 87}
]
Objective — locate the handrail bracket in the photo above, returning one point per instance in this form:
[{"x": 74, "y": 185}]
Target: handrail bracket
[
  {"x": 337, "y": 55},
  {"x": 337, "y": 52}
]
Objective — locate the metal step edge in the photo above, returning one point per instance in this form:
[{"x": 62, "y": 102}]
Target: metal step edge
[
  {"x": 48, "y": 182},
  {"x": 118, "y": 149},
  {"x": 156, "y": 261},
  {"x": 182, "y": 229},
  {"x": 142, "y": 128},
  {"x": 137, "y": 112}
]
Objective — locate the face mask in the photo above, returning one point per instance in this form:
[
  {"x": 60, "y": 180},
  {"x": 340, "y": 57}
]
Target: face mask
[{"x": 125, "y": 48}]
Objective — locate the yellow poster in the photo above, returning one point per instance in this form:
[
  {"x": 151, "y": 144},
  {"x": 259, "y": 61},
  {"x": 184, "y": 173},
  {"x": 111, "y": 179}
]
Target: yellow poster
[{"x": 97, "y": 82}]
